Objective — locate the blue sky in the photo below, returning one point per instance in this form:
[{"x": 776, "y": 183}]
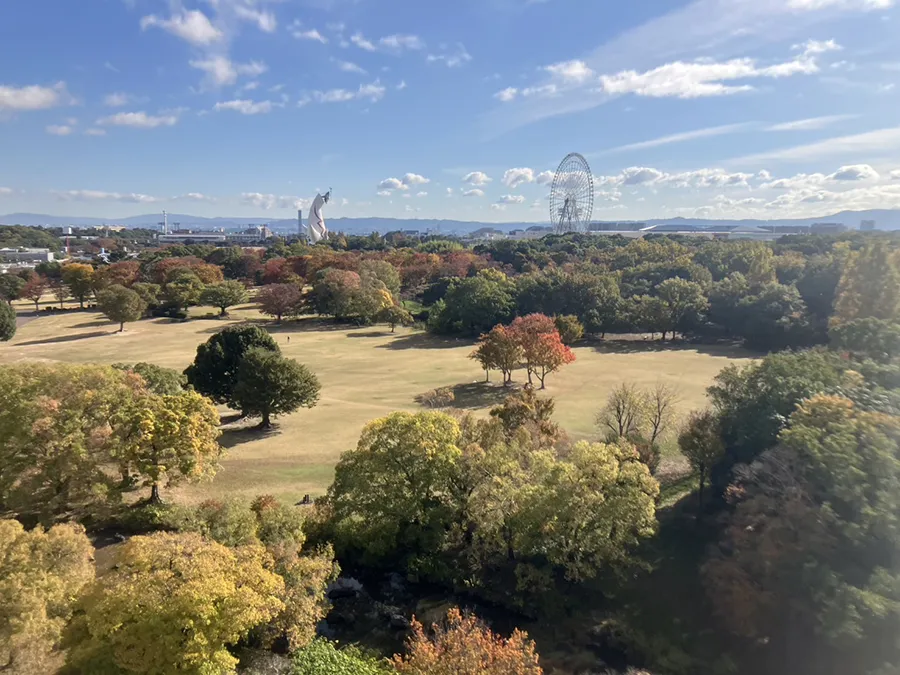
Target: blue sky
[{"x": 412, "y": 108}]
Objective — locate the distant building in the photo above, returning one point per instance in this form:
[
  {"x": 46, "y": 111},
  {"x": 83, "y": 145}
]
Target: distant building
[
  {"x": 251, "y": 235},
  {"x": 26, "y": 255},
  {"x": 827, "y": 228},
  {"x": 867, "y": 226},
  {"x": 192, "y": 238}
]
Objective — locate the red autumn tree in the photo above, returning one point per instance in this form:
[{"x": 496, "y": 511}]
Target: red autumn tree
[
  {"x": 279, "y": 271},
  {"x": 541, "y": 344},
  {"x": 168, "y": 268},
  {"x": 280, "y": 300},
  {"x": 465, "y": 646},
  {"x": 122, "y": 273},
  {"x": 498, "y": 350},
  {"x": 34, "y": 289}
]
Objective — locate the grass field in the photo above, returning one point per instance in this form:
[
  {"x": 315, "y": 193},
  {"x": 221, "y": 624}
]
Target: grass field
[{"x": 365, "y": 373}]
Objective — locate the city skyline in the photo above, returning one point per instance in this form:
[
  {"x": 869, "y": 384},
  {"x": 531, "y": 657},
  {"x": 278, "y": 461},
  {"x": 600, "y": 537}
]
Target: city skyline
[{"x": 706, "y": 108}]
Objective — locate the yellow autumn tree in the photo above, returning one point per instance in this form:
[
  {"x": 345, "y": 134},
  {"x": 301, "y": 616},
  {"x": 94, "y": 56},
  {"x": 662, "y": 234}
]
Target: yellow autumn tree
[
  {"x": 465, "y": 646},
  {"x": 41, "y": 574},
  {"x": 173, "y": 603}
]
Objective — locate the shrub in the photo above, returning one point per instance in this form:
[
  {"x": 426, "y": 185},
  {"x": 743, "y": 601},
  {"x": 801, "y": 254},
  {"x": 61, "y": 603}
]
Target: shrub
[{"x": 442, "y": 397}]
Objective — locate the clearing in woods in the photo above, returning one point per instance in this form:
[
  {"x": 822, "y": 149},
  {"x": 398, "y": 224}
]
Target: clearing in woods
[{"x": 365, "y": 373}]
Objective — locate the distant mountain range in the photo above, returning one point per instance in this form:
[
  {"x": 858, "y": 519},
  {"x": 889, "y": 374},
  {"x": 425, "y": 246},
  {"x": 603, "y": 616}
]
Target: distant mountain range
[{"x": 884, "y": 219}]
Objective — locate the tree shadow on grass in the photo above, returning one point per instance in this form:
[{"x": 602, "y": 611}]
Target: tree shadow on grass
[
  {"x": 639, "y": 346},
  {"x": 426, "y": 341},
  {"x": 93, "y": 324},
  {"x": 304, "y": 325},
  {"x": 237, "y": 435},
  {"x": 476, "y": 395},
  {"x": 370, "y": 334},
  {"x": 66, "y": 338}
]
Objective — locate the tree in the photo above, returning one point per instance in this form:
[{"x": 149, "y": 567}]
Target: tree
[
  {"x": 393, "y": 315},
  {"x": 648, "y": 313},
  {"x": 476, "y": 304},
  {"x": 640, "y": 416},
  {"x": 34, "y": 289},
  {"x": 269, "y": 384},
  {"x": 121, "y": 304},
  {"x": 391, "y": 501},
  {"x": 169, "y": 438},
  {"x": 542, "y": 348},
  {"x": 526, "y": 410},
  {"x": 808, "y": 556},
  {"x": 42, "y": 572},
  {"x": 873, "y": 338},
  {"x": 123, "y": 273},
  {"x": 384, "y": 272},
  {"x": 59, "y": 289},
  {"x": 701, "y": 443},
  {"x": 149, "y": 293},
  {"x": 570, "y": 329},
  {"x": 774, "y": 318},
  {"x": 159, "y": 380},
  {"x": 685, "y": 304},
  {"x": 463, "y": 645},
  {"x": 173, "y": 603},
  {"x": 660, "y": 410},
  {"x": 333, "y": 292},
  {"x": 214, "y": 372},
  {"x": 11, "y": 287},
  {"x": 183, "y": 289},
  {"x": 623, "y": 416},
  {"x": 223, "y": 295},
  {"x": 58, "y": 436},
  {"x": 7, "y": 322},
  {"x": 870, "y": 285},
  {"x": 280, "y": 300},
  {"x": 79, "y": 279},
  {"x": 322, "y": 657},
  {"x": 498, "y": 350}
]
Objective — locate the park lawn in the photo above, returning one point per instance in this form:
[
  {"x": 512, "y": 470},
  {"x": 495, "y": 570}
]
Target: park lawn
[{"x": 365, "y": 373}]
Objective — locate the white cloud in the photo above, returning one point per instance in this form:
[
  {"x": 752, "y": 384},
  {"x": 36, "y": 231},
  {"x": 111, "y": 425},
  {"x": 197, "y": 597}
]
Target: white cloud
[
  {"x": 374, "y": 92},
  {"x": 222, "y": 71},
  {"x": 384, "y": 193},
  {"x": 392, "y": 184},
  {"x": 117, "y": 100},
  {"x": 265, "y": 21},
  {"x": 865, "y": 5},
  {"x": 453, "y": 59},
  {"x": 881, "y": 141},
  {"x": 473, "y": 193},
  {"x": 506, "y": 95},
  {"x": 544, "y": 178},
  {"x": 895, "y": 175},
  {"x": 95, "y": 132},
  {"x": 680, "y": 137},
  {"x": 477, "y": 178},
  {"x": 813, "y": 47},
  {"x": 311, "y": 34},
  {"x": 59, "y": 129},
  {"x": 195, "y": 197},
  {"x": 349, "y": 67},
  {"x": 190, "y": 25},
  {"x": 414, "y": 179},
  {"x": 5, "y": 191},
  {"x": 34, "y": 97},
  {"x": 855, "y": 172},
  {"x": 641, "y": 176},
  {"x": 402, "y": 85},
  {"x": 98, "y": 195},
  {"x": 810, "y": 124},
  {"x": 511, "y": 199},
  {"x": 400, "y": 42},
  {"x": 449, "y": 192},
  {"x": 498, "y": 207},
  {"x": 421, "y": 194},
  {"x": 270, "y": 201},
  {"x": 575, "y": 71},
  {"x": 245, "y": 106},
  {"x": 139, "y": 120},
  {"x": 362, "y": 42},
  {"x": 513, "y": 178}
]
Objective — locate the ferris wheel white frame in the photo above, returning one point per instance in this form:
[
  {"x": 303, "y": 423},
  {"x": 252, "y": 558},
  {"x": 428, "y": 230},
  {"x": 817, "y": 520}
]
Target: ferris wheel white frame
[{"x": 572, "y": 195}]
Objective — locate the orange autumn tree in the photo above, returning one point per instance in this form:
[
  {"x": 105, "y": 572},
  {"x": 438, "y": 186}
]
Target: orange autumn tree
[
  {"x": 463, "y": 645},
  {"x": 542, "y": 347},
  {"x": 498, "y": 350}
]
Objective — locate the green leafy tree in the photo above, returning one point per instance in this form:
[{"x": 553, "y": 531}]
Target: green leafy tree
[
  {"x": 280, "y": 300},
  {"x": 214, "y": 372},
  {"x": 810, "y": 548},
  {"x": 59, "y": 290},
  {"x": 872, "y": 338},
  {"x": 173, "y": 603},
  {"x": 79, "y": 278},
  {"x": 58, "y": 438},
  {"x": 774, "y": 318},
  {"x": 384, "y": 272},
  {"x": 169, "y": 439},
  {"x": 121, "y": 305},
  {"x": 149, "y": 293},
  {"x": 524, "y": 409},
  {"x": 11, "y": 287},
  {"x": 685, "y": 305},
  {"x": 42, "y": 572},
  {"x": 269, "y": 384},
  {"x": 159, "y": 380},
  {"x": 870, "y": 285},
  {"x": 322, "y": 657},
  {"x": 570, "y": 329},
  {"x": 395, "y": 315},
  {"x": 648, "y": 313},
  {"x": 701, "y": 443},
  {"x": 391, "y": 501},
  {"x": 7, "y": 322},
  {"x": 34, "y": 289},
  {"x": 476, "y": 304},
  {"x": 224, "y": 295},
  {"x": 183, "y": 289}
]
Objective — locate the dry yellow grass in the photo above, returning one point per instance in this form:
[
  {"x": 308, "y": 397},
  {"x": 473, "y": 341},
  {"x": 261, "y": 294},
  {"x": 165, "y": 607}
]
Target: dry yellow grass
[{"x": 365, "y": 373}]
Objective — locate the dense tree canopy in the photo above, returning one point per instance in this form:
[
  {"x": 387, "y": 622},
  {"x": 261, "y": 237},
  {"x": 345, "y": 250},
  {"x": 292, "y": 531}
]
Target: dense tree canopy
[
  {"x": 269, "y": 384},
  {"x": 79, "y": 278},
  {"x": 223, "y": 295},
  {"x": 7, "y": 321},
  {"x": 214, "y": 372},
  {"x": 280, "y": 300},
  {"x": 121, "y": 305}
]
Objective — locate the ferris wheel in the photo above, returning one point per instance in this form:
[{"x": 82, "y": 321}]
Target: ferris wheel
[{"x": 572, "y": 195}]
